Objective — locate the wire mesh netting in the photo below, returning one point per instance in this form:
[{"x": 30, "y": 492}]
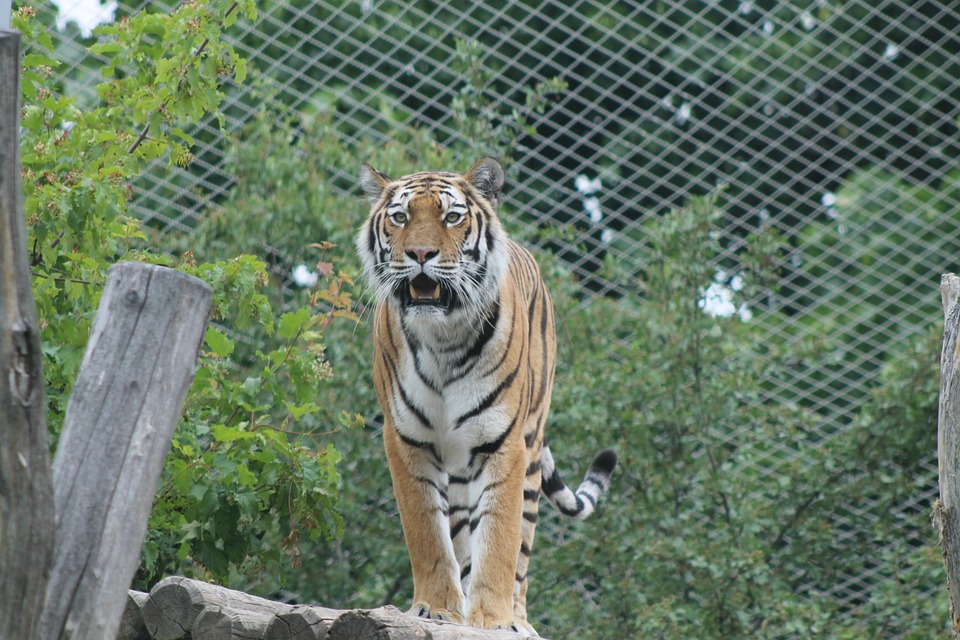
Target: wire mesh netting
[{"x": 834, "y": 122}]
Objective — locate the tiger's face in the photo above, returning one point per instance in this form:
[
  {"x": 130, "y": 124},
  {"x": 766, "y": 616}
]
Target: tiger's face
[{"x": 433, "y": 245}]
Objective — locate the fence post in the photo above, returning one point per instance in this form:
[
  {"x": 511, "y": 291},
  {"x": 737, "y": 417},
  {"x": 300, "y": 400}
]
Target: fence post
[
  {"x": 125, "y": 404},
  {"x": 26, "y": 493},
  {"x": 947, "y": 509}
]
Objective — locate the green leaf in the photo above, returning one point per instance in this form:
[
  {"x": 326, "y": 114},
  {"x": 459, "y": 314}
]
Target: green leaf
[
  {"x": 224, "y": 433},
  {"x": 300, "y": 410},
  {"x": 292, "y": 323},
  {"x": 218, "y": 342}
]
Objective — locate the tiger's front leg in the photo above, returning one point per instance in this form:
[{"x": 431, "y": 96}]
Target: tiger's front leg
[
  {"x": 420, "y": 488},
  {"x": 497, "y": 496}
]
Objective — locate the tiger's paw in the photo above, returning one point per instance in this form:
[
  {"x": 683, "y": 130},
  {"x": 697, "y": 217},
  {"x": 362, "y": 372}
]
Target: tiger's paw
[
  {"x": 423, "y": 610},
  {"x": 521, "y": 628}
]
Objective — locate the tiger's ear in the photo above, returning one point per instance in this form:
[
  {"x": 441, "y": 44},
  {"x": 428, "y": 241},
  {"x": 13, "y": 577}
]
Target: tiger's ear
[
  {"x": 372, "y": 181},
  {"x": 486, "y": 176}
]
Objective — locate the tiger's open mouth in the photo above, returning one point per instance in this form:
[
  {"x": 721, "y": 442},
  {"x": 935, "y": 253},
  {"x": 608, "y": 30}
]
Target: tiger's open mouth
[{"x": 424, "y": 291}]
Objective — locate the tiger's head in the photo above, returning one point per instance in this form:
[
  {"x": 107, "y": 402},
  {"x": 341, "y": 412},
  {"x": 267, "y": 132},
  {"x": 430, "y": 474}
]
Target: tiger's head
[{"x": 433, "y": 245}]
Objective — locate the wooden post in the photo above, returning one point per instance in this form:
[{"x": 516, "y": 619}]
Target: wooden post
[
  {"x": 124, "y": 407},
  {"x": 947, "y": 509},
  {"x": 26, "y": 493}
]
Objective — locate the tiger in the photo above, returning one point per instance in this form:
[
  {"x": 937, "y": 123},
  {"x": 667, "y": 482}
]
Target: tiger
[{"x": 464, "y": 358}]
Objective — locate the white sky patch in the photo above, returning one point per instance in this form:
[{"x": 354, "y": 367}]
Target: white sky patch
[{"x": 86, "y": 14}]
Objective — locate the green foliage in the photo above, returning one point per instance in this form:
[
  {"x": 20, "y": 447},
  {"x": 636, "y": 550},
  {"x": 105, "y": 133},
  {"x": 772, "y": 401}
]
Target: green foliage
[
  {"x": 242, "y": 481},
  {"x": 868, "y": 277},
  {"x": 480, "y": 117},
  {"x": 729, "y": 512}
]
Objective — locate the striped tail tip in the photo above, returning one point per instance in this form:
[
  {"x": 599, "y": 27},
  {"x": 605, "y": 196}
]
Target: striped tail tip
[{"x": 581, "y": 503}]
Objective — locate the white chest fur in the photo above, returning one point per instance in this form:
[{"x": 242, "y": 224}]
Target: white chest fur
[{"x": 450, "y": 382}]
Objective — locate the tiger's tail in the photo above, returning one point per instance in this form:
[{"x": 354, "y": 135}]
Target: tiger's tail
[{"x": 583, "y": 501}]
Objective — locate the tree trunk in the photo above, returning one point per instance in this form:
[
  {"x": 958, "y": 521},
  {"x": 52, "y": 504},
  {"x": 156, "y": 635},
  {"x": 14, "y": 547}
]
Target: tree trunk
[
  {"x": 124, "y": 407},
  {"x": 947, "y": 509},
  {"x": 26, "y": 493}
]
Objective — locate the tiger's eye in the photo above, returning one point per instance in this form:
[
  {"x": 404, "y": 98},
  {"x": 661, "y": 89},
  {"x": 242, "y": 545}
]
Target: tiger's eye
[
  {"x": 453, "y": 217},
  {"x": 399, "y": 218}
]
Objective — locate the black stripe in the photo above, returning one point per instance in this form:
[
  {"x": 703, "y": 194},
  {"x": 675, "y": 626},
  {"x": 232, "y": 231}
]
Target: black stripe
[
  {"x": 506, "y": 351},
  {"x": 412, "y": 407},
  {"x": 464, "y": 572},
  {"x": 493, "y": 445},
  {"x": 486, "y": 334},
  {"x": 591, "y": 480},
  {"x": 574, "y": 511},
  {"x": 419, "y": 445},
  {"x": 489, "y": 236},
  {"x": 531, "y": 494},
  {"x": 524, "y": 549},
  {"x": 392, "y": 365},
  {"x": 483, "y": 224},
  {"x": 372, "y": 239},
  {"x": 533, "y": 468},
  {"x": 588, "y": 497},
  {"x": 530, "y": 517},
  {"x": 458, "y": 479},
  {"x": 457, "y": 528},
  {"x": 530, "y": 438},
  {"x": 428, "y": 481},
  {"x": 488, "y": 401},
  {"x": 553, "y": 484}
]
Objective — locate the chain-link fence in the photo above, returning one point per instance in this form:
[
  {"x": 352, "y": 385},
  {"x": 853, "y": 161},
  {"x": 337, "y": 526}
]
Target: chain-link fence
[{"x": 835, "y": 122}]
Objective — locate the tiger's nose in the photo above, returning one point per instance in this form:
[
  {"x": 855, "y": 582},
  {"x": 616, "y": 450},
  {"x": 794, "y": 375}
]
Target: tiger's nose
[{"x": 422, "y": 254}]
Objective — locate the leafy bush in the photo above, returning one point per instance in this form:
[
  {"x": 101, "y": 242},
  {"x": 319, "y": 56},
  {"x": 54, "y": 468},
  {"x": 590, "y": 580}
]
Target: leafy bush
[{"x": 241, "y": 479}]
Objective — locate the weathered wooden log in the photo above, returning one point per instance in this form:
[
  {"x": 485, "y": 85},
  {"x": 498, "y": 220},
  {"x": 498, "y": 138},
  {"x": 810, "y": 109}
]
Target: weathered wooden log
[
  {"x": 183, "y": 608},
  {"x": 947, "y": 508},
  {"x": 132, "y": 626},
  {"x": 139, "y": 363},
  {"x": 302, "y": 622},
  {"x": 26, "y": 488},
  {"x": 389, "y": 623},
  {"x": 176, "y": 603},
  {"x": 230, "y": 624}
]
